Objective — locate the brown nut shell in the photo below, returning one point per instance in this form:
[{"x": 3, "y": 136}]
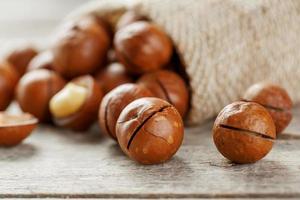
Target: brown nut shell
[
  {"x": 115, "y": 101},
  {"x": 130, "y": 17},
  {"x": 150, "y": 130},
  {"x": 34, "y": 91},
  {"x": 43, "y": 60},
  {"x": 21, "y": 57},
  {"x": 142, "y": 47},
  {"x": 244, "y": 132},
  {"x": 80, "y": 49},
  {"x": 15, "y": 128},
  {"x": 112, "y": 76},
  {"x": 87, "y": 115},
  {"x": 275, "y": 99},
  {"x": 8, "y": 81},
  {"x": 169, "y": 86}
]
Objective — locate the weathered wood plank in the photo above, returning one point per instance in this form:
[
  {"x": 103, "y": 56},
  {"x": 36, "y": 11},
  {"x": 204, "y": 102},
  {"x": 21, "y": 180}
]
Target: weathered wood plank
[{"x": 53, "y": 163}]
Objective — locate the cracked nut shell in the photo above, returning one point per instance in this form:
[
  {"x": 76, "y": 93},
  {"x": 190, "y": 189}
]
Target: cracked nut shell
[
  {"x": 112, "y": 76},
  {"x": 244, "y": 132},
  {"x": 81, "y": 49},
  {"x": 142, "y": 47},
  {"x": 275, "y": 99},
  {"x": 21, "y": 57},
  {"x": 169, "y": 86},
  {"x": 115, "y": 101},
  {"x": 15, "y": 128},
  {"x": 34, "y": 91},
  {"x": 150, "y": 130},
  {"x": 87, "y": 114},
  {"x": 8, "y": 81}
]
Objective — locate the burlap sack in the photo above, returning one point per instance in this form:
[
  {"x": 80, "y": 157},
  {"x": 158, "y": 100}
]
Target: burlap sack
[{"x": 226, "y": 45}]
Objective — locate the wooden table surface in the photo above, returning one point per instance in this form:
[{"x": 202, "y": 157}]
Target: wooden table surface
[{"x": 60, "y": 164}]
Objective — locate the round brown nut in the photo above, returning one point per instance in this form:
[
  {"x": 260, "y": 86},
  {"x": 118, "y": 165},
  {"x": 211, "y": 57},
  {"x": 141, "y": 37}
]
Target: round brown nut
[
  {"x": 81, "y": 49},
  {"x": 8, "y": 81},
  {"x": 142, "y": 47},
  {"x": 112, "y": 76},
  {"x": 115, "y": 101},
  {"x": 244, "y": 132},
  {"x": 150, "y": 130},
  {"x": 15, "y": 128},
  {"x": 21, "y": 57},
  {"x": 169, "y": 86},
  {"x": 34, "y": 91},
  {"x": 130, "y": 17},
  {"x": 275, "y": 99},
  {"x": 43, "y": 60},
  {"x": 76, "y": 105}
]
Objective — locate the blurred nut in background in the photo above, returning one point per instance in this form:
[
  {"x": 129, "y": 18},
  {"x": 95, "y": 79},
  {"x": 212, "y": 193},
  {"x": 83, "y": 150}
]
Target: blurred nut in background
[
  {"x": 34, "y": 91},
  {"x": 21, "y": 57},
  {"x": 169, "y": 86},
  {"x": 81, "y": 49},
  {"x": 15, "y": 128},
  {"x": 142, "y": 47},
  {"x": 111, "y": 56},
  {"x": 150, "y": 130},
  {"x": 76, "y": 105},
  {"x": 112, "y": 76},
  {"x": 8, "y": 80},
  {"x": 43, "y": 60},
  {"x": 275, "y": 99},
  {"x": 130, "y": 17},
  {"x": 244, "y": 132},
  {"x": 115, "y": 101}
]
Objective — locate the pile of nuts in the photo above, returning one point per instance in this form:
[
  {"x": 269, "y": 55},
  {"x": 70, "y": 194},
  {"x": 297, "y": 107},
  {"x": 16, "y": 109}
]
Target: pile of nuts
[
  {"x": 244, "y": 131},
  {"x": 122, "y": 76},
  {"x": 126, "y": 80}
]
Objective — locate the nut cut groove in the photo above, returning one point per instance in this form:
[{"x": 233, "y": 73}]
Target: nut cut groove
[
  {"x": 105, "y": 117},
  {"x": 164, "y": 90},
  {"x": 143, "y": 123},
  {"x": 252, "y": 133}
]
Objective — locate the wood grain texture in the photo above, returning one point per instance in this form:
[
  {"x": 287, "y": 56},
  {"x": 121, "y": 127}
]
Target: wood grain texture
[{"x": 60, "y": 164}]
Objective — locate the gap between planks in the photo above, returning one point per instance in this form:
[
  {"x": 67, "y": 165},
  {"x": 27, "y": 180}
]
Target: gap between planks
[{"x": 152, "y": 196}]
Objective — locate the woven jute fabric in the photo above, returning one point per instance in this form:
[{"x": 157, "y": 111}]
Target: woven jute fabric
[{"x": 226, "y": 45}]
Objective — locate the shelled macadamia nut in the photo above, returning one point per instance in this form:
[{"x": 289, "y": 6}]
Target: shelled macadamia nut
[
  {"x": 76, "y": 105},
  {"x": 115, "y": 101},
  {"x": 81, "y": 48},
  {"x": 150, "y": 130},
  {"x": 21, "y": 57},
  {"x": 244, "y": 132},
  {"x": 275, "y": 99},
  {"x": 169, "y": 86},
  {"x": 112, "y": 76},
  {"x": 34, "y": 91},
  {"x": 142, "y": 47},
  {"x": 8, "y": 80},
  {"x": 15, "y": 128}
]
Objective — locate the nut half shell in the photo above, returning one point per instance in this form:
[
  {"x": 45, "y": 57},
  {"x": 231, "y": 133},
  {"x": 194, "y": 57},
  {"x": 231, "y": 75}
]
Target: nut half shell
[
  {"x": 15, "y": 128},
  {"x": 83, "y": 119}
]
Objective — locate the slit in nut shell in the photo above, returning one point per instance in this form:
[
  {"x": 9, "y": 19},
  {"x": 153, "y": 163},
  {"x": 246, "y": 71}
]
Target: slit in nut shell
[
  {"x": 150, "y": 130},
  {"x": 244, "y": 132},
  {"x": 15, "y": 128},
  {"x": 76, "y": 105}
]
